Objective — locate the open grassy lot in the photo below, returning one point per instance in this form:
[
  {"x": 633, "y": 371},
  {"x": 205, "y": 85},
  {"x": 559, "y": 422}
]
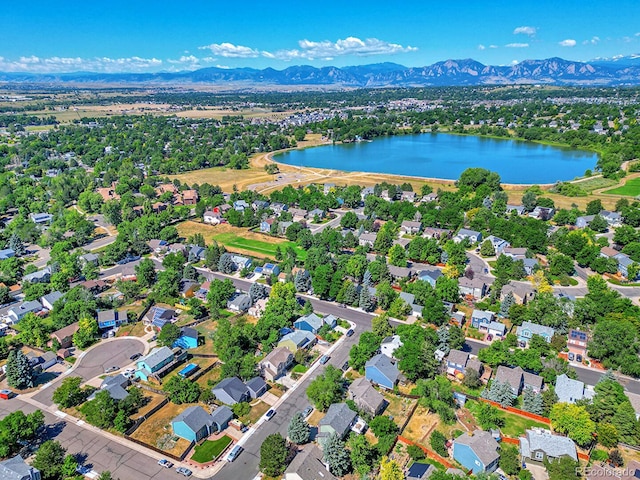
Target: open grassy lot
[
  {"x": 152, "y": 399},
  {"x": 210, "y": 450},
  {"x": 422, "y": 423},
  {"x": 239, "y": 240},
  {"x": 131, "y": 329},
  {"x": 595, "y": 183},
  {"x": 514, "y": 425},
  {"x": 630, "y": 188},
  {"x": 156, "y": 431},
  {"x": 399, "y": 407},
  {"x": 257, "y": 411},
  {"x": 212, "y": 376}
]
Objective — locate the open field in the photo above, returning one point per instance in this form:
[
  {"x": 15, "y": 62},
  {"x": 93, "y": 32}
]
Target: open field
[
  {"x": 157, "y": 430},
  {"x": 594, "y": 183},
  {"x": 630, "y": 188},
  {"x": 153, "y": 400},
  {"x": 131, "y": 329},
  {"x": 212, "y": 375},
  {"x": 514, "y": 425},
  {"x": 210, "y": 449},
  {"x": 399, "y": 407},
  {"x": 238, "y": 240},
  {"x": 422, "y": 423}
]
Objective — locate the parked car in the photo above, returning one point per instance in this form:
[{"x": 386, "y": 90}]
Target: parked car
[
  {"x": 233, "y": 454},
  {"x": 111, "y": 369},
  {"x": 270, "y": 413},
  {"x": 6, "y": 394},
  {"x": 571, "y": 356},
  {"x": 579, "y": 358},
  {"x": 163, "y": 462},
  {"x": 349, "y": 332},
  {"x": 184, "y": 471},
  {"x": 135, "y": 356},
  {"x": 324, "y": 359},
  {"x": 345, "y": 366},
  {"x": 307, "y": 411}
]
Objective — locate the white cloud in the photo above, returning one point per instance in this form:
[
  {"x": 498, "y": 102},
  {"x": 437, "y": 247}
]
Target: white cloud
[
  {"x": 569, "y": 42},
  {"x": 34, "y": 64},
  {"x": 593, "y": 41},
  {"x": 526, "y": 30},
  {"x": 229, "y": 50},
  {"x": 493, "y": 46},
  {"x": 637, "y": 34},
  {"x": 517, "y": 45},
  {"x": 481, "y": 47},
  {"x": 327, "y": 50}
]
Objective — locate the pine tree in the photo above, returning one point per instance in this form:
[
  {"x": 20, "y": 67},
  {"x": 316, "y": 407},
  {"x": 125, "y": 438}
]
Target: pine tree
[
  {"x": 501, "y": 393},
  {"x": 298, "y": 431},
  {"x": 532, "y": 402},
  {"x": 20, "y": 373},
  {"x": 366, "y": 279},
  {"x": 506, "y": 304},
  {"x": 258, "y": 291},
  {"x": 351, "y": 294},
  {"x": 16, "y": 245},
  {"x": 302, "y": 281},
  {"x": 443, "y": 339},
  {"x": 337, "y": 456},
  {"x": 365, "y": 302},
  {"x": 226, "y": 264}
]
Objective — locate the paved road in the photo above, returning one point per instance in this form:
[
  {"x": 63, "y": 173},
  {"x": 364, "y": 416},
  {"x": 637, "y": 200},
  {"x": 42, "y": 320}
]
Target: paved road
[
  {"x": 111, "y": 353},
  {"x": 95, "y": 450}
]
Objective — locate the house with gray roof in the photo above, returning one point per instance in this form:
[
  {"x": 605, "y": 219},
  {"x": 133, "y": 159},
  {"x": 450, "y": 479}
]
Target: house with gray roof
[
  {"x": 116, "y": 386},
  {"x": 239, "y": 303},
  {"x": 539, "y": 445},
  {"x": 256, "y": 386},
  {"x": 390, "y": 344},
  {"x": 309, "y": 323},
  {"x": 522, "y": 293},
  {"x": 475, "y": 287},
  {"x": 154, "y": 362},
  {"x": 476, "y": 451},
  {"x": 518, "y": 379},
  {"x": 409, "y": 227},
  {"x": 294, "y": 341},
  {"x": 40, "y": 276},
  {"x": 338, "y": 420},
  {"x": 569, "y": 390},
  {"x": 18, "y": 312},
  {"x": 528, "y": 329},
  {"x": 231, "y": 391},
  {"x": 276, "y": 363},
  {"x": 50, "y": 298},
  {"x": 366, "y": 397},
  {"x": 464, "y": 233},
  {"x": 16, "y": 468},
  {"x": 367, "y": 239},
  {"x": 481, "y": 319},
  {"x": 382, "y": 371},
  {"x": 430, "y": 276},
  {"x": 459, "y": 362},
  {"x": 194, "y": 423},
  {"x": 6, "y": 253},
  {"x": 308, "y": 465},
  {"x": 497, "y": 330}
]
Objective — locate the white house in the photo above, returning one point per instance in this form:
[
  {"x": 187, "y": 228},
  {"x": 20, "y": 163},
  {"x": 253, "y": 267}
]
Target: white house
[{"x": 389, "y": 345}]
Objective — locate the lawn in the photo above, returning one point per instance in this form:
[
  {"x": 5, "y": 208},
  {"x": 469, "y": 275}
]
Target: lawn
[
  {"x": 299, "y": 369},
  {"x": 630, "y": 188},
  {"x": 595, "y": 183},
  {"x": 514, "y": 425},
  {"x": 239, "y": 240},
  {"x": 131, "y": 329},
  {"x": 212, "y": 375},
  {"x": 210, "y": 450},
  {"x": 257, "y": 411}
]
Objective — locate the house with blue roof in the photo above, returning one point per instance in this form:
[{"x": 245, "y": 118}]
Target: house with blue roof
[
  {"x": 476, "y": 451},
  {"x": 41, "y": 218},
  {"x": 159, "y": 316},
  {"x": 294, "y": 341},
  {"x": 188, "y": 338},
  {"x": 156, "y": 359},
  {"x": 7, "y": 253},
  {"x": 382, "y": 371},
  {"x": 481, "y": 319},
  {"x": 194, "y": 423},
  {"x": 430, "y": 276},
  {"x": 270, "y": 269},
  {"x": 309, "y": 323},
  {"x": 240, "y": 205},
  {"x": 40, "y": 276},
  {"x": 528, "y": 329}
]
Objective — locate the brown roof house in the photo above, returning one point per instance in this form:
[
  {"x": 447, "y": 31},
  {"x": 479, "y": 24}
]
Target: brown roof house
[
  {"x": 367, "y": 398},
  {"x": 64, "y": 336},
  {"x": 276, "y": 363}
]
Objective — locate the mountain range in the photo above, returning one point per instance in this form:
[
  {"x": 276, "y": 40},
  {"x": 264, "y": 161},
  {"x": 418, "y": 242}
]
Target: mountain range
[{"x": 556, "y": 71}]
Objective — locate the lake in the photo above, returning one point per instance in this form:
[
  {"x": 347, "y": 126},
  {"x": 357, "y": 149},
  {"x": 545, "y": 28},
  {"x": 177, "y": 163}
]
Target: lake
[{"x": 446, "y": 156}]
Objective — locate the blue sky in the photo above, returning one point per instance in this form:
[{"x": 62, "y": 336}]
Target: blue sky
[{"x": 142, "y": 35}]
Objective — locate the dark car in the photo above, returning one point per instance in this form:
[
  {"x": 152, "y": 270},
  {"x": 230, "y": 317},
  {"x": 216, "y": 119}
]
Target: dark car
[
  {"x": 345, "y": 366},
  {"x": 135, "y": 356},
  {"x": 349, "y": 332}
]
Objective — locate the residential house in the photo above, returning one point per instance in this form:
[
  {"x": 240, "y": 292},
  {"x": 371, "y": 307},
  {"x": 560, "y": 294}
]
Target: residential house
[
  {"x": 522, "y": 293},
  {"x": 277, "y": 208},
  {"x": 95, "y": 286},
  {"x": 519, "y": 209},
  {"x": 430, "y": 276},
  {"x": 527, "y": 330},
  {"x": 258, "y": 308},
  {"x": 382, "y": 371},
  {"x": 282, "y": 227},
  {"x": 189, "y": 197},
  {"x": 40, "y": 276},
  {"x": 430, "y": 197},
  {"x": 584, "y": 221},
  {"x": 437, "y": 233},
  {"x": 338, "y": 420},
  {"x": 366, "y": 191},
  {"x": 498, "y": 244},
  {"x": 195, "y": 424},
  {"x": 308, "y": 465},
  {"x": 153, "y": 362},
  {"x": 89, "y": 258},
  {"x": 111, "y": 318},
  {"x": 481, "y": 319},
  {"x": 457, "y": 318},
  {"x": 41, "y": 218},
  {"x": 399, "y": 273},
  {"x": 518, "y": 379},
  {"x": 241, "y": 262},
  {"x": 458, "y": 362},
  {"x": 539, "y": 445},
  {"x": 116, "y": 386},
  {"x": 409, "y": 299},
  {"x": 475, "y": 287},
  {"x": 366, "y": 397},
  {"x": 240, "y": 205},
  {"x": 18, "y": 312},
  {"x": 624, "y": 262},
  {"x": 517, "y": 253},
  {"x": 188, "y": 338},
  {"x": 158, "y": 246},
  {"x": 294, "y": 341},
  {"x": 257, "y": 387},
  {"x": 64, "y": 336},
  {"x": 476, "y": 451},
  {"x": 419, "y": 471},
  {"x": 158, "y": 207},
  {"x": 614, "y": 219},
  {"x": 316, "y": 212},
  {"x": 367, "y": 239},
  {"x": 211, "y": 217},
  {"x": 7, "y": 253},
  {"x": 177, "y": 248},
  {"x": 408, "y": 196},
  {"x": 464, "y": 233},
  {"x": 542, "y": 213},
  {"x": 529, "y": 265},
  {"x": 410, "y": 228},
  {"x": 496, "y": 330},
  {"x": 276, "y": 363},
  {"x": 265, "y": 225},
  {"x": 231, "y": 390},
  {"x": 299, "y": 214},
  {"x": 49, "y": 299},
  {"x": 196, "y": 252},
  {"x": 577, "y": 342},
  {"x": 569, "y": 390},
  {"x": 389, "y": 345},
  {"x": 269, "y": 269},
  {"x": 16, "y": 468},
  {"x": 166, "y": 188},
  {"x": 240, "y": 303},
  {"x": 257, "y": 205},
  {"x": 309, "y": 323},
  {"x": 159, "y": 316}
]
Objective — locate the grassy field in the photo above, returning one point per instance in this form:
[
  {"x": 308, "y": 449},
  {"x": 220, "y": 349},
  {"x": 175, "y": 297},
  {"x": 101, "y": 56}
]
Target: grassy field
[
  {"x": 595, "y": 183},
  {"x": 210, "y": 450},
  {"x": 239, "y": 240},
  {"x": 157, "y": 431},
  {"x": 630, "y": 188},
  {"x": 257, "y": 411},
  {"x": 399, "y": 407},
  {"x": 514, "y": 425},
  {"x": 153, "y": 399},
  {"x": 421, "y": 425}
]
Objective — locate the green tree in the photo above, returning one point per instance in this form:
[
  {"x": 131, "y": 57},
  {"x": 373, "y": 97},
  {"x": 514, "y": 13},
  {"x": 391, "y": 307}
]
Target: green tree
[
  {"x": 363, "y": 454},
  {"x": 564, "y": 468},
  {"x": 380, "y": 326},
  {"x": 219, "y": 292},
  {"x": 49, "y": 460},
  {"x": 182, "y": 390},
  {"x": 101, "y": 411},
  {"x": 438, "y": 442},
  {"x": 298, "y": 430},
  {"x": 509, "y": 461},
  {"x": 169, "y": 333},
  {"x": 19, "y": 371},
  {"x": 607, "y": 435},
  {"x": 86, "y": 333},
  {"x": 397, "y": 256},
  {"x": 336, "y": 456},
  {"x": 69, "y": 394},
  {"x": 489, "y": 417},
  {"x": 383, "y": 426},
  {"x": 574, "y": 421},
  {"x": 17, "y": 429},
  {"x": 326, "y": 388},
  {"x": 146, "y": 273},
  {"x": 487, "y": 249},
  {"x": 273, "y": 455}
]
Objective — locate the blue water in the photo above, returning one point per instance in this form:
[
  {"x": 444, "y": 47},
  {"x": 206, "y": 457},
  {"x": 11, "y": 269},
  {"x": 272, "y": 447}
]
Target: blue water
[{"x": 447, "y": 156}]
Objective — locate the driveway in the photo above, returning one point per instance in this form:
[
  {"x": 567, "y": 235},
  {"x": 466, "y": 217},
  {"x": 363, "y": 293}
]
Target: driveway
[{"x": 114, "y": 352}]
